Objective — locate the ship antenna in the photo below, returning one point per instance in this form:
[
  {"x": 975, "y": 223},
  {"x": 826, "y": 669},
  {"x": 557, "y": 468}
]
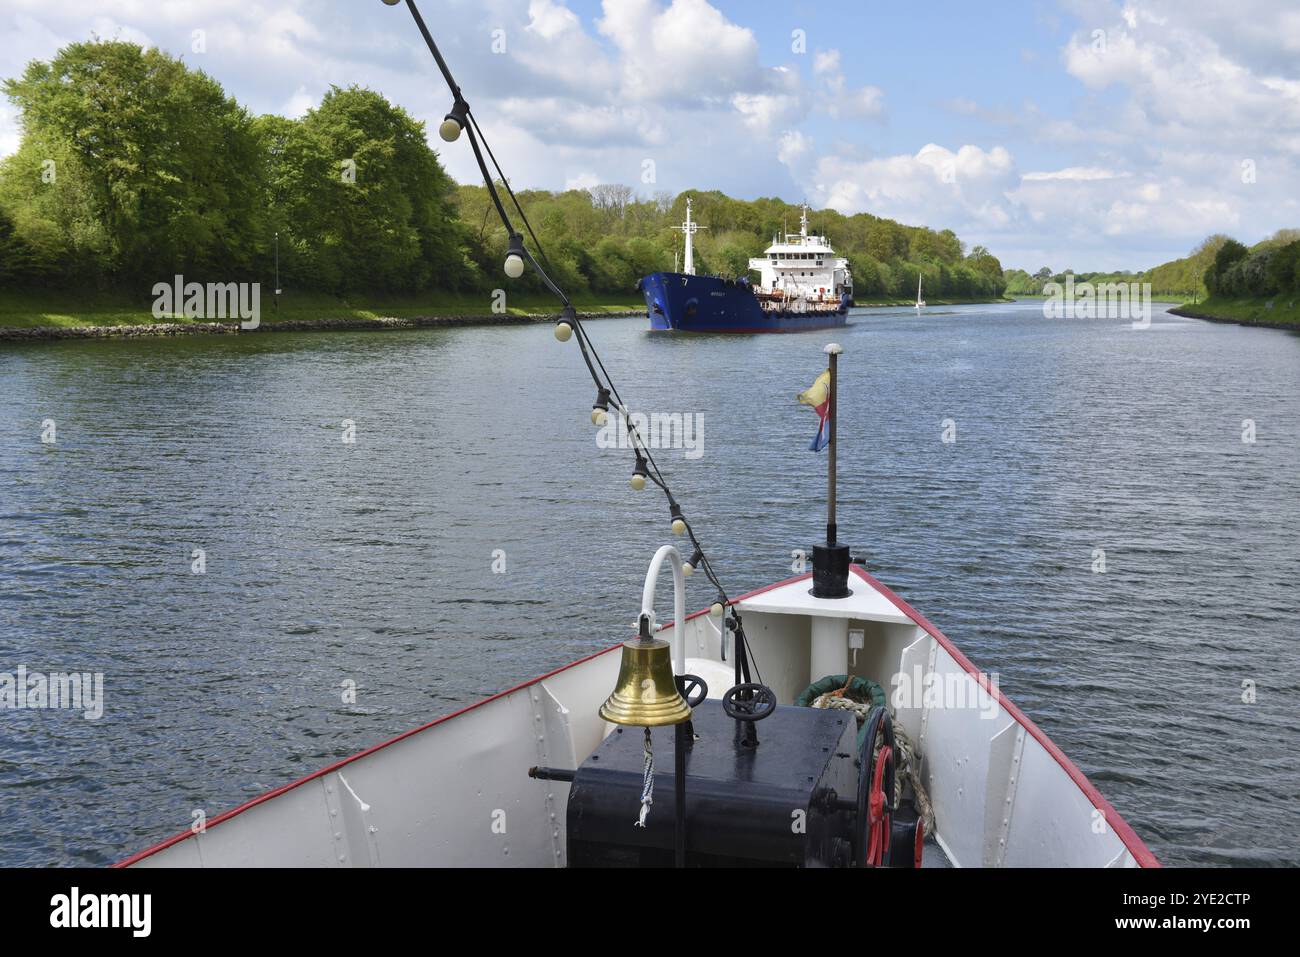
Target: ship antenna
[{"x": 461, "y": 119}]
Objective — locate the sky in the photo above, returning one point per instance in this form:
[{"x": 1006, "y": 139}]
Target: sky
[{"x": 1085, "y": 134}]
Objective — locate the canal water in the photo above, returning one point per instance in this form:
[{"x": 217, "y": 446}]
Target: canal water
[{"x": 1112, "y": 527}]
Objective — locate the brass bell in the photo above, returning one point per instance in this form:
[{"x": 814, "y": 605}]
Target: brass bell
[{"x": 646, "y": 694}]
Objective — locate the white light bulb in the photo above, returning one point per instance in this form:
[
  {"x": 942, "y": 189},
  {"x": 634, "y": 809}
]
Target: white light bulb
[
  {"x": 678, "y": 526},
  {"x": 599, "y": 417},
  {"x": 563, "y": 331},
  {"x": 716, "y": 609},
  {"x": 637, "y": 482},
  {"x": 514, "y": 266},
  {"x": 449, "y": 130},
  {"x": 688, "y": 569}
]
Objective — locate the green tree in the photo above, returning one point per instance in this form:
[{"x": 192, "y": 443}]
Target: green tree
[
  {"x": 361, "y": 198},
  {"x": 167, "y": 163},
  {"x": 1217, "y": 277},
  {"x": 1284, "y": 266},
  {"x": 988, "y": 272},
  {"x": 56, "y": 236}
]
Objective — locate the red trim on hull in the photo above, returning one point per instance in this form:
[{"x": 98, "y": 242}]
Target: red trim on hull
[
  {"x": 177, "y": 838},
  {"x": 1135, "y": 845},
  {"x": 752, "y": 332}
]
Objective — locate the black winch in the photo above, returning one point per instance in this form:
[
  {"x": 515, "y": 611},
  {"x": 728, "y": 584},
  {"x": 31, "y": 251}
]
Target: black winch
[{"x": 748, "y": 805}]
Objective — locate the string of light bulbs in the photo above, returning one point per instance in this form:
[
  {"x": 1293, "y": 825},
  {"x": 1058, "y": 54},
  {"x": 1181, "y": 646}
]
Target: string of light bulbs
[{"x": 460, "y": 119}]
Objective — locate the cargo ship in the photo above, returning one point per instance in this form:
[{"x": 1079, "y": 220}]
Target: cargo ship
[{"x": 802, "y": 286}]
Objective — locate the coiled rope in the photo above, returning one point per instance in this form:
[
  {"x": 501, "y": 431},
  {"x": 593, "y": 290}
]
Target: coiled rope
[{"x": 907, "y": 763}]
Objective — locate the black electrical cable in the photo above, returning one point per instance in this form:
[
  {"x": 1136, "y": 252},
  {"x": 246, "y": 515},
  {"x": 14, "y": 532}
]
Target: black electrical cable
[
  {"x": 587, "y": 348},
  {"x": 523, "y": 217}
]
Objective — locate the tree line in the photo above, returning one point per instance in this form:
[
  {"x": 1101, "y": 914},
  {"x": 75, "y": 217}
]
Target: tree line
[
  {"x": 133, "y": 167},
  {"x": 1219, "y": 265},
  {"x": 1269, "y": 268}
]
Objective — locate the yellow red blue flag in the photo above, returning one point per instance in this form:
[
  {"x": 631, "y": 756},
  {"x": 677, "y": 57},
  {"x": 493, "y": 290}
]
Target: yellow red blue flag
[{"x": 818, "y": 395}]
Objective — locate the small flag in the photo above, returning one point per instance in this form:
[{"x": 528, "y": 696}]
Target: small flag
[{"x": 818, "y": 396}]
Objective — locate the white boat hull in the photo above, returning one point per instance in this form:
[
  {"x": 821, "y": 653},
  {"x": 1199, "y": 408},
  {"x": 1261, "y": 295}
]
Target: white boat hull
[{"x": 456, "y": 793}]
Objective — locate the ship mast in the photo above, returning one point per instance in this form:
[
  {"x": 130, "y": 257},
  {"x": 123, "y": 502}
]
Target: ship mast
[{"x": 688, "y": 229}]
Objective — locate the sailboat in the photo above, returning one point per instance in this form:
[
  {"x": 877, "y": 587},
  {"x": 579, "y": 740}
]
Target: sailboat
[
  {"x": 755, "y": 732},
  {"x": 920, "y": 303}
]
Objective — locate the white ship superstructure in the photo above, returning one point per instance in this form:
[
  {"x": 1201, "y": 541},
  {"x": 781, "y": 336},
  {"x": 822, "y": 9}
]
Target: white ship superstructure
[{"x": 803, "y": 265}]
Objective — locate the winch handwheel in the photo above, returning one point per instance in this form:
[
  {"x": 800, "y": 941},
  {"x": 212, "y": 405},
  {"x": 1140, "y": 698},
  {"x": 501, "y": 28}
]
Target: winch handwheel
[
  {"x": 692, "y": 688},
  {"x": 760, "y": 704},
  {"x": 871, "y": 830}
]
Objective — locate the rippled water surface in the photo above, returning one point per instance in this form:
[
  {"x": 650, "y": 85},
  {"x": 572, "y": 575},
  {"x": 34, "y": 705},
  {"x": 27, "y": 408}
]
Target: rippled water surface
[{"x": 372, "y": 562}]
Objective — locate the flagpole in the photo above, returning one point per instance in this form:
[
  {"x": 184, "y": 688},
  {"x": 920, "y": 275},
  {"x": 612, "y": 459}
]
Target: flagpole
[
  {"x": 831, "y": 560},
  {"x": 833, "y": 350}
]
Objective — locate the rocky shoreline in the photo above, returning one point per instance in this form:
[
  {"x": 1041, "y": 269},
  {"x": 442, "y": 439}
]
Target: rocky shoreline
[
  {"x": 1188, "y": 313},
  {"x": 40, "y": 333}
]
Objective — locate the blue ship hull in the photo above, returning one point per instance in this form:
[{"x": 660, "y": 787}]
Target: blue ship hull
[{"x": 676, "y": 302}]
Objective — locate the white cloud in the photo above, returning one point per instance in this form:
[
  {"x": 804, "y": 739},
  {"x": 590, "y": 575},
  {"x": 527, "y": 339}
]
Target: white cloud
[
  {"x": 584, "y": 180},
  {"x": 685, "y": 51},
  {"x": 794, "y": 147},
  {"x": 764, "y": 111},
  {"x": 826, "y": 63},
  {"x": 10, "y": 132},
  {"x": 557, "y": 120},
  {"x": 298, "y": 104},
  {"x": 1084, "y": 208},
  {"x": 554, "y": 44},
  {"x": 1076, "y": 173},
  {"x": 1180, "y": 79},
  {"x": 836, "y": 96},
  {"x": 965, "y": 190},
  {"x": 1189, "y": 96},
  {"x": 550, "y": 20}
]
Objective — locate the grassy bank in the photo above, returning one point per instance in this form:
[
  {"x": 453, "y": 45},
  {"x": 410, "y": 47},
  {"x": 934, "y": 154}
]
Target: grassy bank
[
  {"x": 53, "y": 309},
  {"x": 26, "y": 309},
  {"x": 1282, "y": 312}
]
